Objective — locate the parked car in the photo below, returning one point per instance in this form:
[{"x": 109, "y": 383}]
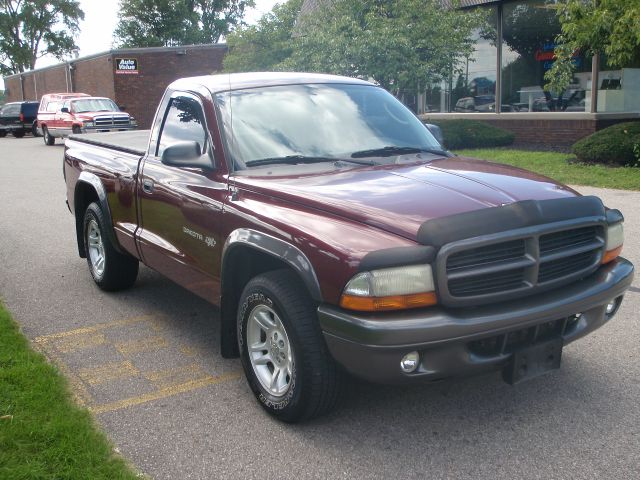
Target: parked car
[
  {"x": 18, "y": 118},
  {"x": 336, "y": 234},
  {"x": 63, "y": 114},
  {"x": 481, "y": 103}
]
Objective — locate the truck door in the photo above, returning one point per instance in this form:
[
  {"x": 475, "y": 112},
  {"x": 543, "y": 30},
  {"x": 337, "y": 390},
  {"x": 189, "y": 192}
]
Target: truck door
[
  {"x": 64, "y": 120},
  {"x": 180, "y": 207}
]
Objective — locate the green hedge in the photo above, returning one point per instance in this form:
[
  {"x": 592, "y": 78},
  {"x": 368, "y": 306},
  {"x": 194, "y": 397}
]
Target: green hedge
[
  {"x": 611, "y": 146},
  {"x": 473, "y": 134}
]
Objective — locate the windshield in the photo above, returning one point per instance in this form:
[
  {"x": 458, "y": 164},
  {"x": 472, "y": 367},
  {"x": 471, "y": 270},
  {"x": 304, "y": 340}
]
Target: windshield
[
  {"x": 319, "y": 121},
  {"x": 94, "y": 105}
]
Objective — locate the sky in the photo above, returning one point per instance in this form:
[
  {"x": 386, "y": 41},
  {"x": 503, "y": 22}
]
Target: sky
[{"x": 101, "y": 17}]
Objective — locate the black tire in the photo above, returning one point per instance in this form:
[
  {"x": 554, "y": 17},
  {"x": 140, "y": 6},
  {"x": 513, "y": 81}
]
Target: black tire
[
  {"x": 48, "y": 139},
  {"x": 76, "y": 130},
  {"x": 3, "y": 133},
  {"x": 18, "y": 133},
  {"x": 34, "y": 129},
  {"x": 119, "y": 271},
  {"x": 316, "y": 380}
]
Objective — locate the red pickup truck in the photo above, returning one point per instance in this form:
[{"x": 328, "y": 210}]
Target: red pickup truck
[
  {"x": 61, "y": 114},
  {"x": 338, "y": 236}
]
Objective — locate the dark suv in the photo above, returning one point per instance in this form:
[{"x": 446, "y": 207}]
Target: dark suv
[{"x": 18, "y": 118}]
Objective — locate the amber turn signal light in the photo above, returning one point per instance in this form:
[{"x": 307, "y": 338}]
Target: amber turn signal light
[
  {"x": 611, "y": 255},
  {"x": 394, "y": 302}
]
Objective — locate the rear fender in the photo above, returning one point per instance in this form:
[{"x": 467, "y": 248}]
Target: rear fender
[{"x": 90, "y": 182}]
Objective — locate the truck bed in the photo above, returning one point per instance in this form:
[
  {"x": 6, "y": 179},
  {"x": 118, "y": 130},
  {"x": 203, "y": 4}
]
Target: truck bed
[{"x": 134, "y": 142}]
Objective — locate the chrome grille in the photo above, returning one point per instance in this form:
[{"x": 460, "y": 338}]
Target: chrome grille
[
  {"x": 111, "y": 120},
  {"x": 515, "y": 264}
]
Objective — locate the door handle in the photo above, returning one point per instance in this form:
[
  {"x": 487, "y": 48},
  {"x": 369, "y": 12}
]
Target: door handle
[{"x": 147, "y": 185}]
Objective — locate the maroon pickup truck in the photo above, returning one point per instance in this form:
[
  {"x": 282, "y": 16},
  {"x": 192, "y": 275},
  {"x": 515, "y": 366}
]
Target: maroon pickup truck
[{"x": 338, "y": 236}]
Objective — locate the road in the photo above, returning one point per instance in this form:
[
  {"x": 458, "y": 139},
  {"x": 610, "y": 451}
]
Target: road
[{"x": 146, "y": 362}]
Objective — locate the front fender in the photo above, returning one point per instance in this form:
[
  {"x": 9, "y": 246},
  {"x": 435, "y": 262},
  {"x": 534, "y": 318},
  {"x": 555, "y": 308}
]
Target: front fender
[{"x": 281, "y": 250}]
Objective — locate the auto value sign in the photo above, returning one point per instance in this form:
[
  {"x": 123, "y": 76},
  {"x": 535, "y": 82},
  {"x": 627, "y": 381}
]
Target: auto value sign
[{"x": 127, "y": 66}]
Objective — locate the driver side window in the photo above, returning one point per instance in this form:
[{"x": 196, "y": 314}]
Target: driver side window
[{"x": 183, "y": 122}]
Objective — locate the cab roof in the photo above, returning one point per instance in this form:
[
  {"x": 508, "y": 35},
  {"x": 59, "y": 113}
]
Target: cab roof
[
  {"x": 65, "y": 95},
  {"x": 240, "y": 81}
]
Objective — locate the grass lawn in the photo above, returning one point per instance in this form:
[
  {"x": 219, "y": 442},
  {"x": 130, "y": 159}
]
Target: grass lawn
[
  {"x": 555, "y": 165},
  {"x": 43, "y": 434}
]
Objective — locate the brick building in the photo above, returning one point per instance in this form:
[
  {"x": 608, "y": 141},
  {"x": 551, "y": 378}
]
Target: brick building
[{"x": 135, "y": 78}]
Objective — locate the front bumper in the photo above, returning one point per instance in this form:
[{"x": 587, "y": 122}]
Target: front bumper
[
  {"x": 465, "y": 341},
  {"x": 110, "y": 128}
]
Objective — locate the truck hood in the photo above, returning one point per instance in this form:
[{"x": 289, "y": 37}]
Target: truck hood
[{"x": 399, "y": 198}]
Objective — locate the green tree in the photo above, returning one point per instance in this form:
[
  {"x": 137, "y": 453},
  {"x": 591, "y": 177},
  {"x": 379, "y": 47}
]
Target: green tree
[
  {"x": 156, "y": 23},
  {"x": 30, "y": 29},
  {"x": 403, "y": 44},
  {"x": 611, "y": 27},
  {"x": 264, "y": 46}
]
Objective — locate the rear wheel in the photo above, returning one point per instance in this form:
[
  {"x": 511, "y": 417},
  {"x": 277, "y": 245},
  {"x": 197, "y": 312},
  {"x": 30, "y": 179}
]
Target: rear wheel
[
  {"x": 76, "y": 129},
  {"x": 34, "y": 129},
  {"x": 3, "y": 133},
  {"x": 283, "y": 353},
  {"x": 18, "y": 133},
  {"x": 110, "y": 269},
  {"x": 48, "y": 139}
]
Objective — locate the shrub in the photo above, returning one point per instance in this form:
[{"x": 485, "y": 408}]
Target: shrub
[
  {"x": 461, "y": 133},
  {"x": 611, "y": 146}
]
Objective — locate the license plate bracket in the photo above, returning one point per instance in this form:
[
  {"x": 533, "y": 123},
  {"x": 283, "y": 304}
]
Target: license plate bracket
[{"x": 532, "y": 361}]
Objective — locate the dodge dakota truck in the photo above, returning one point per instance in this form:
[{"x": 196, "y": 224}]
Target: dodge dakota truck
[{"x": 338, "y": 237}]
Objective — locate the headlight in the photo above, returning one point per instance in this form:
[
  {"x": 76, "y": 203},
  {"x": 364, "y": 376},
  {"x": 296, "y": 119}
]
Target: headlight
[
  {"x": 390, "y": 289},
  {"x": 88, "y": 124},
  {"x": 615, "y": 239}
]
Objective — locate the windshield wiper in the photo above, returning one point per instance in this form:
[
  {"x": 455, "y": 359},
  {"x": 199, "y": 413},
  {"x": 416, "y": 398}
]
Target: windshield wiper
[
  {"x": 395, "y": 150},
  {"x": 300, "y": 159}
]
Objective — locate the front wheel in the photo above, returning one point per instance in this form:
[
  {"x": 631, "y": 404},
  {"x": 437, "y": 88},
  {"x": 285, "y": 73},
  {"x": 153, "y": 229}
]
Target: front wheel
[
  {"x": 18, "y": 133},
  {"x": 47, "y": 137},
  {"x": 110, "y": 269},
  {"x": 34, "y": 130},
  {"x": 3, "y": 133},
  {"x": 285, "y": 359}
]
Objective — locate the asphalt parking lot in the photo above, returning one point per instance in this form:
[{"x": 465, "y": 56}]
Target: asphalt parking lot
[{"x": 146, "y": 362}]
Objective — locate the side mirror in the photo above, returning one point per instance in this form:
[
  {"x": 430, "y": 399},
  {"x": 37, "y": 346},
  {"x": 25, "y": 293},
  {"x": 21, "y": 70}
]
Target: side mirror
[
  {"x": 186, "y": 155},
  {"x": 436, "y": 131},
  {"x": 64, "y": 110},
  {"x": 122, "y": 107}
]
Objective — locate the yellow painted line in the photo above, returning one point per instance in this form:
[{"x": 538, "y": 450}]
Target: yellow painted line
[
  {"x": 176, "y": 376},
  {"x": 149, "y": 344},
  {"x": 94, "y": 328},
  {"x": 79, "y": 342},
  {"x": 164, "y": 393},
  {"x": 108, "y": 372}
]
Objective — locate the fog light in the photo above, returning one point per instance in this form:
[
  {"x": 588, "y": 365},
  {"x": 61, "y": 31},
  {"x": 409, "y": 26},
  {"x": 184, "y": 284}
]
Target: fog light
[
  {"x": 611, "y": 307},
  {"x": 410, "y": 362}
]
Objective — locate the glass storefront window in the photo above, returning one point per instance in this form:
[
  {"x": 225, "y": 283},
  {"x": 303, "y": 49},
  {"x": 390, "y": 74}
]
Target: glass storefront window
[
  {"x": 618, "y": 89},
  {"x": 472, "y": 88},
  {"x": 529, "y": 29}
]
